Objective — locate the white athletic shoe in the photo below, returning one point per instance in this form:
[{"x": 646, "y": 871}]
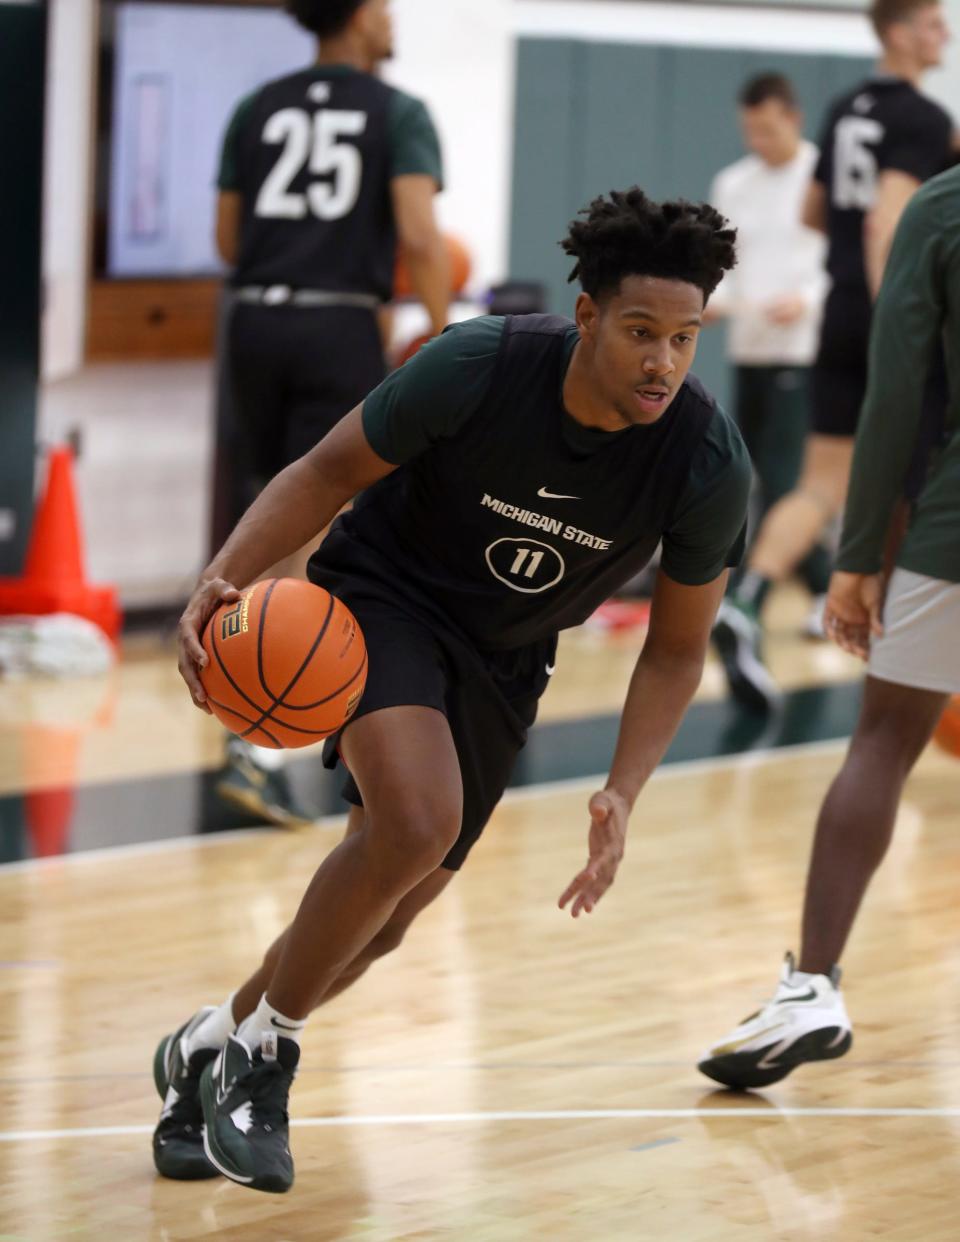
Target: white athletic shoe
[{"x": 806, "y": 1021}]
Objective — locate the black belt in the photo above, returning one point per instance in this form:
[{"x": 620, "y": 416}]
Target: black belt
[{"x": 284, "y": 295}]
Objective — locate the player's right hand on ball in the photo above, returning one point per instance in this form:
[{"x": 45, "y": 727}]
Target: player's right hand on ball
[{"x": 204, "y": 602}]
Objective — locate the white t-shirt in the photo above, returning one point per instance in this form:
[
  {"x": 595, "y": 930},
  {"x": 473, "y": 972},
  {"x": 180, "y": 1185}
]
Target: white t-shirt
[{"x": 776, "y": 256}]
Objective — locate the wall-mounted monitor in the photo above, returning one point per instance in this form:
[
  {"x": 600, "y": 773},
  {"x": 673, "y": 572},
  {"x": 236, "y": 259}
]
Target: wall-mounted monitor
[{"x": 172, "y": 74}]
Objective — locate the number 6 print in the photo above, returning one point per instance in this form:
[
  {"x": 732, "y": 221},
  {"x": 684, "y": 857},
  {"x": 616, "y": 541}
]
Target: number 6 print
[{"x": 855, "y": 162}]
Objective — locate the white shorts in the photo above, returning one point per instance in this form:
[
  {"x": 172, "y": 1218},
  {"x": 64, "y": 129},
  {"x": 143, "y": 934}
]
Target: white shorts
[{"x": 921, "y": 625}]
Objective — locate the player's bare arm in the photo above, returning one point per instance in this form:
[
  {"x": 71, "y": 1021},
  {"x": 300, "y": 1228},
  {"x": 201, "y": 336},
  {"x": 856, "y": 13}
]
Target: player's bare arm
[
  {"x": 229, "y": 210},
  {"x": 894, "y": 191},
  {"x": 423, "y": 246},
  {"x": 664, "y": 681},
  {"x": 814, "y": 214},
  {"x": 291, "y": 510}
]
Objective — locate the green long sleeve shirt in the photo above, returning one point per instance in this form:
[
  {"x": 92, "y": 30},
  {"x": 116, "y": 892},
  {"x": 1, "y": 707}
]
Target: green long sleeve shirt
[{"x": 919, "y": 304}]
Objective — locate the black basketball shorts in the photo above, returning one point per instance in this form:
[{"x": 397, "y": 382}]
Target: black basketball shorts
[
  {"x": 294, "y": 372},
  {"x": 839, "y": 379},
  {"x": 840, "y": 385},
  {"x": 489, "y": 698}
]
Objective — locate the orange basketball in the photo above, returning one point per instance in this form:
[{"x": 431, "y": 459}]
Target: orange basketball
[
  {"x": 460, "y": 265},
  {"x": 947, "y": 732},
  {"x": 287, "y": 665}
]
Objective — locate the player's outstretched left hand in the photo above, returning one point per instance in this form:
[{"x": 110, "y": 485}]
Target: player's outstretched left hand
[{"x": 608, "y": 834}]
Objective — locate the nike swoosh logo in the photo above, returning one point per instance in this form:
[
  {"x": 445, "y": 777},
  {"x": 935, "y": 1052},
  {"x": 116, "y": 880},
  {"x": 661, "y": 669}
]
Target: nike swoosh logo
[
  {"x": 222, "y": 1091},
  {"x": 554, "y": 495},
  {"x": 810, "y": 995},
  {"x": 283, "y": 1026}
]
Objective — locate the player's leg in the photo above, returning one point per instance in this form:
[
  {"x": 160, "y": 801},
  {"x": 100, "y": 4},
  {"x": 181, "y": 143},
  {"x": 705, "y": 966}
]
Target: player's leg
[
  {"x": 837, "y": 383},
  {"x": 389, "y": 938},
  {"x": 253, "y": 778},
  {"x": 183, "y": 1055},
  {"x": 404, "y": 762},
  {"x": 856, "y": 820},
  {"x": 913, "y": 670},
  {"x": 427, "y": 794},
  {"x": 781, "y": 439},
  {"x": 796, "y": 523},
  {"x": 806, "y": 1019},
  {"x": 256, "y": 365},
  {"x": 789, "y": 532},
  {"x": 768, "y": 430},
  {"x": 793, "y": 526},
  {"x": 336, "y": 360},
  {"x": 245, "y": 1000},
  {"x": 780, "y": 456},
  {"x": 748, "y": 407},
  {"x": 748, "y": 412}
]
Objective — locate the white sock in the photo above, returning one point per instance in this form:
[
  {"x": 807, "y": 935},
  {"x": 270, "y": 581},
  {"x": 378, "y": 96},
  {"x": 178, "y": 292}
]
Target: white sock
[
  {"x": 267, "y": 1020},
  {"x": 214, "y": 1029}
]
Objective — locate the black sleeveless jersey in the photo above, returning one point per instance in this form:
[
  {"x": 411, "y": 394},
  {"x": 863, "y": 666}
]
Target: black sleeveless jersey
[
  {"x": 314, "y": 162},
  {"x": 504, "y": 529},
  {"x": 885, "y": 123}
]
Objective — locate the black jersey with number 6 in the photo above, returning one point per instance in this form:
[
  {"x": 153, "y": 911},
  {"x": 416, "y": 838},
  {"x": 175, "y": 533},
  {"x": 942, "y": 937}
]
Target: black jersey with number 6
[
  {"x": 313, "y": 155},
  {"x": 885, "y": 123}
]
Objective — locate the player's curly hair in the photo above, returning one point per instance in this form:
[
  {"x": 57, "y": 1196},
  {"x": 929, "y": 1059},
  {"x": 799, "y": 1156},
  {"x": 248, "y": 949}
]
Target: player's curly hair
[
  {"x": 627, "y": 234},
  {"x": 323, "y": 17}
]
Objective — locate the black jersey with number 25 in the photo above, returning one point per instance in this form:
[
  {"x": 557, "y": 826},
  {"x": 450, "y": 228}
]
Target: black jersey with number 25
[
  {"x": 885, "y": 123},
  {"x": 314, "y": 162},
  {"x": 509, "y": 525}
]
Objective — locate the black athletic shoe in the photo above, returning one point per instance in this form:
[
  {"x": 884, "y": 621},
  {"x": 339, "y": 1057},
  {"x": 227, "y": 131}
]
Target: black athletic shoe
[
  {"x": 246, "y": 1126},
  {"x": 178, "y": 1139},
  {"x": 264, "y": 793},
  {"x": 736, "y": 637}
]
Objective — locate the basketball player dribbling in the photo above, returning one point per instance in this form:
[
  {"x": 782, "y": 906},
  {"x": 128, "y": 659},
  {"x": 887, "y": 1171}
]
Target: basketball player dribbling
[{"x": 510, "y": 476}]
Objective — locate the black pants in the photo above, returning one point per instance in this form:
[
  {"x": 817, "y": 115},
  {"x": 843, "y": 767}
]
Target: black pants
[
  {"x": 295, "y": 372},
  {"x": 773, "y": 414}
]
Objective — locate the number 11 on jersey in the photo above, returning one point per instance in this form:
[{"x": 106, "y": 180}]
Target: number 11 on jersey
[{"x": 521, "y": 557}]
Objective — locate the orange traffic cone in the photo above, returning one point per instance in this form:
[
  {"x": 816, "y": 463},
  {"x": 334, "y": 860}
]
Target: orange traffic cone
[{"x": 53, "y": 579}]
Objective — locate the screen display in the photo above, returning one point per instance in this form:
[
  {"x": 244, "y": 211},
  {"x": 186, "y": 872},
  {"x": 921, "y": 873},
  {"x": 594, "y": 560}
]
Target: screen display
[{"x": 179, "y": 72}]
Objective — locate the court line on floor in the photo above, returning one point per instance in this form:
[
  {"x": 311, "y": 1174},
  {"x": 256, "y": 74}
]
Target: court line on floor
[
  {"x": 457, "y": 1067},
  {"x": 484, "y": 1118},
  {"x": 521, "y": 793}
]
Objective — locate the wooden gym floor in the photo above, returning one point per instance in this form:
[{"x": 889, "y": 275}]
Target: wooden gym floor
[{"x": 509, "y": 1073}]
